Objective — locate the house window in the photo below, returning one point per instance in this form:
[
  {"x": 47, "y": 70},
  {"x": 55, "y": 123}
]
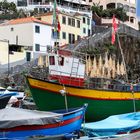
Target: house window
[
  {"x": 126, "y": 8},
  {"x": 78, "y": 37},
  {"x": 71, "y": 38},
  {"x": 56, "y": 44},
  {"x": 101, "y": 7},
  {"x": 88, "y": 32},
  {"x": 84, "y": 30},
  {"x": 12, "y": 29},
  {"x": 37, "y": 47},
  {"x": 73, "y": 22},
  {"x": 64, "y": 35},
  {"x": 61, "y": 61},
  {"x": 51, "y": 60},
  {"x": 28, "y": 56},
  {"x": 69, "y": 21},
  {"x": 84, "y": 20},
  {"x": 37, "y": 29},
  {"x": 132, "y": 19},
  {"x": 63, "y": 20},
  {"x": 88, "y": 21},
  {"x": 78, "y": 23},
  {"x": 133, "y": 9},
  {"x": 119, "y": 5}
]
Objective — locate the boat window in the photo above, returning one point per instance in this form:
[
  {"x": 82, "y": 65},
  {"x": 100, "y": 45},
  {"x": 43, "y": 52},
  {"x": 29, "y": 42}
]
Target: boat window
[
  {"x": 51, "y": 60},
  {"x": 61, "y": 61}
]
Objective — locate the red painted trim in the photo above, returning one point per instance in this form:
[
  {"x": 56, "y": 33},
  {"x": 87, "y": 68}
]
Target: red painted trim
[
  {"x": 46, "y": 126},
  {"x": 91, "y": 98},
  {"x": 132, "y": 131},
  {"x": 67, "y": 80}
]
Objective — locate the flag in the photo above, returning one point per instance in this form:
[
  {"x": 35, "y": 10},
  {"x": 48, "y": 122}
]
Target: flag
[
  {"x": 114, "y": 30},
  {"x": 58, "y": 26},
  {"x": 54, "y": 16},
  {"x": 56, "y": 22},
  {"x": 57, "y": 19}
]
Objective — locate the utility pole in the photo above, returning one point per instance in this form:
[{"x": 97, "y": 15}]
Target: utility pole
[{"x": 8, "y": 60}]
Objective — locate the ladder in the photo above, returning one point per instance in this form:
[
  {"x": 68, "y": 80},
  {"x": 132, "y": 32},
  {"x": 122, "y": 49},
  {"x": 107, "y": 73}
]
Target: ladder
[{"x": 74, "y": 69}]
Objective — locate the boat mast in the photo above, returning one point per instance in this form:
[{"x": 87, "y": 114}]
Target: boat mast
[
  {"x": 115, "y": 33},
  {"x": 126, "y": 75}
]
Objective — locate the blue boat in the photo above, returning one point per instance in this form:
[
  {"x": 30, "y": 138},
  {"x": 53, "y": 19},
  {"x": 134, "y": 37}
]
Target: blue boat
[
  {"x": 23, "y": 123},
  {"x": 114, "y": 125},
  {"x": 4, "y": 98}
]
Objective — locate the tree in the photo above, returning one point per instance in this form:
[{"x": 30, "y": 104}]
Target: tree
[{"x": 108, "y": 13}]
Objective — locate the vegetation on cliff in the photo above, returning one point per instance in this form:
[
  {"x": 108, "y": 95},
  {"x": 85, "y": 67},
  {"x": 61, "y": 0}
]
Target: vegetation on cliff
[{"x": 108, "y": 13}]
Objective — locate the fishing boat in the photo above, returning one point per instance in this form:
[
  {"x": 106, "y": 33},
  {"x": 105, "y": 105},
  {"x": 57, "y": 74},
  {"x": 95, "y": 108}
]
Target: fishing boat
[
  {"x": 4, "y": 99},
  {"x": 114, "y": 125},
  {"x": 68, "y": 84},
  {"x": 105, "y": 97},
  {"x": 22, "y": 123}
]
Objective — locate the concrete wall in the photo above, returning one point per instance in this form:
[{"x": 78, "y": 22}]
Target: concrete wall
[
  {"x": 20, "y": 34},
  {"x": 13, "y": 59},
  {"x": 3, "y": 52},
  {"x": 17, "y": 56}
]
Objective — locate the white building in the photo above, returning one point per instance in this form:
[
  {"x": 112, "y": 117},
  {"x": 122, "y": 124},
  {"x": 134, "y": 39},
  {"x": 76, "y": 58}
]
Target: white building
[
  {"x": 7, "y": 59},
  {"x": 3, "y": 53},
  {"x": 128, "y": 5},
  {"x": 27, "y": 34}
]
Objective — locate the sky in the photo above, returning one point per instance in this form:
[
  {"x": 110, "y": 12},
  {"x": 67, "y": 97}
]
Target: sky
[{"x": 138, "y": 9}]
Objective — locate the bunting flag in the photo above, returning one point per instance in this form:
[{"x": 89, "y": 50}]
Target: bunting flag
[
  {"x": 56, "y": 22},
  {"x": 114, "y": 30}
]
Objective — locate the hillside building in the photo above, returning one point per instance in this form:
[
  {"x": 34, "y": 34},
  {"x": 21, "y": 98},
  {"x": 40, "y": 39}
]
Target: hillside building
[
  {"x": 74, "y": 26},
  {"x": 128, "y": 5},
  {"x": 27, "y": 34}
]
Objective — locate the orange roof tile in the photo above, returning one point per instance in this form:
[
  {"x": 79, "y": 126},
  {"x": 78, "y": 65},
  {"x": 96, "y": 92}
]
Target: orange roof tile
[{"x": 25, "y": 20}]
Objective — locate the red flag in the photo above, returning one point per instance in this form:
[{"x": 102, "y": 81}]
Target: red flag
[
  {"x": 58, "y": 26},
  {"x": 114, "y": 29},
  {"x": 58, "y": 23}
]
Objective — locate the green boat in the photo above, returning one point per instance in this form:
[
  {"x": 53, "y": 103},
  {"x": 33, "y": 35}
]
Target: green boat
[
  {"x": 50, "y": 95},
  {"x": 67, "y": 86}
]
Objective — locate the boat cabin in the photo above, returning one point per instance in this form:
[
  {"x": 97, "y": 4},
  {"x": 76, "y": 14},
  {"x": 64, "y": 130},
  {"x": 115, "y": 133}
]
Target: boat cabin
[{"x": 66, "y": 69}]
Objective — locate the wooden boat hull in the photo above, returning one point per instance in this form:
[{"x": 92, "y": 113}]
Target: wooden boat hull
[
  {"x": 71, "y": 122},
  {"x": 101, "y": 104}
]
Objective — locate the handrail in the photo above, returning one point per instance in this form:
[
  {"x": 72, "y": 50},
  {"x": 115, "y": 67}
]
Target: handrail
[{"x": 105, "y": 85}]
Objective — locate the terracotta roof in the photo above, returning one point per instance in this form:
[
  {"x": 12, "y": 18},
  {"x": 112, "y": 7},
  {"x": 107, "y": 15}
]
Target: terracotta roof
[{"x": 25, "y": 20}]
